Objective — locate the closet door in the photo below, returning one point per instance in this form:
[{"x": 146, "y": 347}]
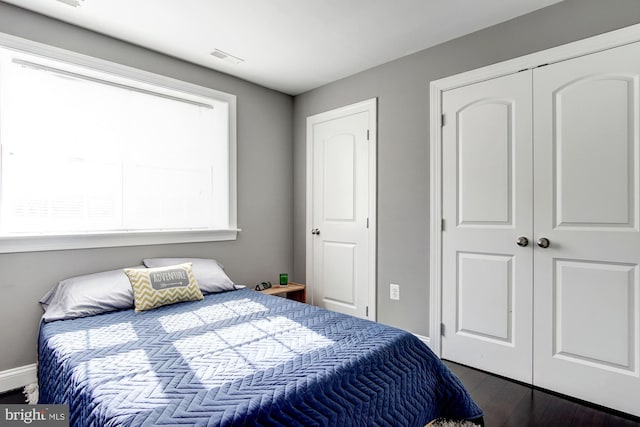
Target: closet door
[
  {"x": 487, "y": 207},
  {"x": 586, "y": 199}
]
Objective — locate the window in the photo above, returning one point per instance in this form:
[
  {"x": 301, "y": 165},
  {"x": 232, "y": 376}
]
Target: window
[{"x": 94, "y": 154}]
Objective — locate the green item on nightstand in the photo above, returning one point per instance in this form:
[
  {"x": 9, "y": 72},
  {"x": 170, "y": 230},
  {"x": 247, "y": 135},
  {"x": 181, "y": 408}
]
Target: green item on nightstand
[{"x": 284, "y": 279}]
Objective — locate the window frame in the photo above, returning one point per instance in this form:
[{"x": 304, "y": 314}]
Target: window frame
[{"x": 49, "y": 242}]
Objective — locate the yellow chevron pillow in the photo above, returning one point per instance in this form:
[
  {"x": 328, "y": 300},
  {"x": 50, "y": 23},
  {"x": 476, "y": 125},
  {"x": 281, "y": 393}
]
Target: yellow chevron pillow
[{"x": 153, "y": 287}]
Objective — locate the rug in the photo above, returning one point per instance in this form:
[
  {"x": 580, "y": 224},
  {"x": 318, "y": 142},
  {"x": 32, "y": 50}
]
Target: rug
[
  {"x": 31, "y": 393},
  {"x": 440, "y": 422}
]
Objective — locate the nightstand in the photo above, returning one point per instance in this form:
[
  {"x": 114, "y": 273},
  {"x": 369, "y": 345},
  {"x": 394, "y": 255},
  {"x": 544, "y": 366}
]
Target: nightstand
[{"x": 294, "y": 291}]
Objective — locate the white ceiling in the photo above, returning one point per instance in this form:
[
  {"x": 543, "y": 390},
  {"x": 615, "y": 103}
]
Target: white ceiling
[{"x": 288, "y": 45}]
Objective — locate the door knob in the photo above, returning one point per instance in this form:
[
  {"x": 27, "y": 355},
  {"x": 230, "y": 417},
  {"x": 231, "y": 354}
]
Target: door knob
[
  {"x": 315, "y": 231},
  {"x": 543, "y": 242},
  {"x": 522, "y": 241}
]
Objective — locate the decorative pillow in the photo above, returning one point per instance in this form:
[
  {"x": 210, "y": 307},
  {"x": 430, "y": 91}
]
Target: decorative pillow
[
  {"x": 208, "y": 272},
  {"x": 153, "y": 287},
  {"x": 88, "y": 295}
]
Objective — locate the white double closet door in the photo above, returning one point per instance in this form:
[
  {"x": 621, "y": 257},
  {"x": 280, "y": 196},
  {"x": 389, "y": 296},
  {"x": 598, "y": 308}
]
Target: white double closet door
[{"x": 550, "y": 153}]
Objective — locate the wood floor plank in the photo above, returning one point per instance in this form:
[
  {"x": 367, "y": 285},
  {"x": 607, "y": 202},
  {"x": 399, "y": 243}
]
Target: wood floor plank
[
  {"x": 616, "y": 421},
  {"x": 553, "y": 411},
  {"x": 12, "y": 397},
  {"x": 507, "y": 397},
  {"x": 471, "y": 378},
  {"x": 589, "y": 417},
  {"x": 510, "y": 404}
]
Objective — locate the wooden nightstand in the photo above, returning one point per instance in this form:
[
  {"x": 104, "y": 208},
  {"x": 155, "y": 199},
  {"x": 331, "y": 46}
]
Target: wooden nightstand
[{"x": 294, "y": 291}]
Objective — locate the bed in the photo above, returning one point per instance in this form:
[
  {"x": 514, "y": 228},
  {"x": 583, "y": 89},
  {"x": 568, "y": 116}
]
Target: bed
[{"x": 243, "y": 358}]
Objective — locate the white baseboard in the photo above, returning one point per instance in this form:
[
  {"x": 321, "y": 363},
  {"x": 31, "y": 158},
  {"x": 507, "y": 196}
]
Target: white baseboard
[
  {"x": 12, "y": 379},
  {"x": 424, "y": 339}
]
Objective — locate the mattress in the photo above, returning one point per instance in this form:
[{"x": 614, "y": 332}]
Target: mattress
[{"x": 243, "y": 358}]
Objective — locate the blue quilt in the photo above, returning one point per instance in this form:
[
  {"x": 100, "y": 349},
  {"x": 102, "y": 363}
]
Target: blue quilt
[{"x": 242, "y": 358}]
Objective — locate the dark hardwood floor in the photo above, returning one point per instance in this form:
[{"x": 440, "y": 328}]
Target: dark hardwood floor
[
  {"x": 12, "y": 397},
  {"x": 507, "y": 403}
]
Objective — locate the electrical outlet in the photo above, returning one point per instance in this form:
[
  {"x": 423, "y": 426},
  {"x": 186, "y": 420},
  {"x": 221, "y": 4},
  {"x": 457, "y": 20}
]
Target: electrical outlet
[{"x": 394, "y": 291}]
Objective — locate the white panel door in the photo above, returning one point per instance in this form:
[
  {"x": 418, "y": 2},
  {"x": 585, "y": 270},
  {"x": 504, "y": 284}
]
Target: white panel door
[
  {"x": 587, "y": 282},
  {"x": 341, "y": 259},
  {"x": 487, "y": 207}
]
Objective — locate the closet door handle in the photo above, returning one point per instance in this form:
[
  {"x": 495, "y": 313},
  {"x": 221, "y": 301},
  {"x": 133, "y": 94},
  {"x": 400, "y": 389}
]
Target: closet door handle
[
  {"x": 522, "y": 241},
  {"x": 543, "y": 242}
]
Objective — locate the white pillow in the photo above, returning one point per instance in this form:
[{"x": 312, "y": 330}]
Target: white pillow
[
  {"x": 88, "y": 295},
  {"x": 208, "y": 272}
]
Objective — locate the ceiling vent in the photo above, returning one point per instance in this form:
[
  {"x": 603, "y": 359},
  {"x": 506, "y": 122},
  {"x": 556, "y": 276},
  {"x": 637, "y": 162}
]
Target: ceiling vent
[
  {"x": 227, "y": 57},
  {"x": 74, "y": 3}
]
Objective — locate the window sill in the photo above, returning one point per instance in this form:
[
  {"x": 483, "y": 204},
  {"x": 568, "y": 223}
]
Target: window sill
[{"x": 109, "y": 240}]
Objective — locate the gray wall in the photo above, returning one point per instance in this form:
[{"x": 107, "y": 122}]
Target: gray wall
[
  {"x": 263, "y": 248},
  {"x": 402, "y": 89},
  {"x": 271, "y": 163}
]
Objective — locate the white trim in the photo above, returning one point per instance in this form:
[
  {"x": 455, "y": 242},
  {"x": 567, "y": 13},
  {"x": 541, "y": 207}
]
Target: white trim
[
  {"x": 113, "y": 239},
  {"x": 110, "y": 240},
  {"x": 435, "y": 260},
  {"x": 309, "y": 215},
  {"x": 587, "y": 46},
  {"x": 15, "y": 378},
  {"x": 371, "y": 106},
  {"x": 373, "y": 206},
  {"x": 79, "y": 59},
  {"x": 424, "y": 339}
]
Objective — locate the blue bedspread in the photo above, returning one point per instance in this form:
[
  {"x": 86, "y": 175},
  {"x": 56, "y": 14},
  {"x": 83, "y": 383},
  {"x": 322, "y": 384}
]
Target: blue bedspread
[{"x": 243, "y": 358}]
